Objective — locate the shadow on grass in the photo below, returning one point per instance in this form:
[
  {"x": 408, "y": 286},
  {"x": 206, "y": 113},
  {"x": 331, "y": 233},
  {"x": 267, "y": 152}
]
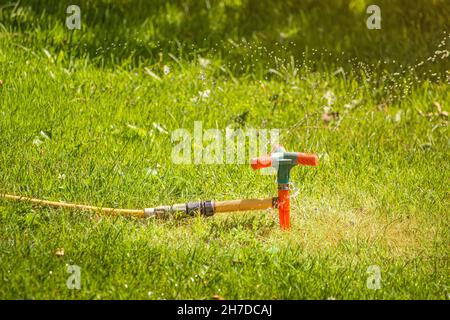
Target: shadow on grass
[{"x": 239, "y": 32}]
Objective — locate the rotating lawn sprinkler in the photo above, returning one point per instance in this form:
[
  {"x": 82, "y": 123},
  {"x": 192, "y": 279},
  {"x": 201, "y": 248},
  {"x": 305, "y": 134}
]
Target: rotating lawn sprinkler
[
  {"x": 279, "y": 159},
  {"x": 283, "y": 162}
]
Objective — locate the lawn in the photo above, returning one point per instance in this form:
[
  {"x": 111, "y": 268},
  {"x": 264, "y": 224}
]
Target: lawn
[{"x": 87, "y": 116}]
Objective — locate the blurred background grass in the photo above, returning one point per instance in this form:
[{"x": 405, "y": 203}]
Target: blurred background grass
[{"x": 247, "y": 35}]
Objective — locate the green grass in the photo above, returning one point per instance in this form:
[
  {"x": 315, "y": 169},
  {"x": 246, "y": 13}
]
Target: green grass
[{"x": 77, "y": 124}]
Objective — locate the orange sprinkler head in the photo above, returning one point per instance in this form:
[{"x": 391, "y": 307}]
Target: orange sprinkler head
[{"x": 283, "y": 162}]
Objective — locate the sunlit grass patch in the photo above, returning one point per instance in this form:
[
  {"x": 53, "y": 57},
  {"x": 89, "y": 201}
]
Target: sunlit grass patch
[{"x": 85, "y": 119}]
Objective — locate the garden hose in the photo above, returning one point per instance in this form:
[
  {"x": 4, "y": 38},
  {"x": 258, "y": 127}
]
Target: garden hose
[{"x": 205, "y": 208}]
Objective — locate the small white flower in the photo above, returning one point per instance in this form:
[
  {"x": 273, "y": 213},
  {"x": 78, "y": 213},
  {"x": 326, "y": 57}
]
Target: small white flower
[
  {"x": 166, "y": 70},
  {"x": 330, "y": 97},
  {"x": 204, "y": 62},
  {"x": 37, "y": 142},
  {"x": 150, "y": 172},
  {"x": 326, "y": 109},
  {"x": 204, "y": 94}
]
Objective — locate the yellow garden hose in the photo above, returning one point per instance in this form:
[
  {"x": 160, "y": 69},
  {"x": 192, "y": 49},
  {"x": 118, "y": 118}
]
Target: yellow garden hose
[
  {"x": 206, "y": 208},
  {"x": 41, "y": 202}
]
